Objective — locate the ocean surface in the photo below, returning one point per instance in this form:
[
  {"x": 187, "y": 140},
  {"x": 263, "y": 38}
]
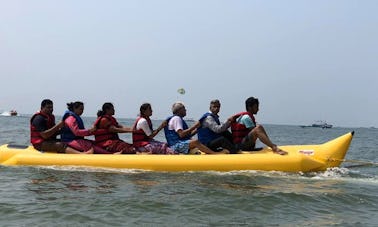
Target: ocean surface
[{"x": 56, "y": 196}]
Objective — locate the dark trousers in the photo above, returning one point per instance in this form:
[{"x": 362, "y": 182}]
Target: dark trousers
[{"x": 223, "y": 141}]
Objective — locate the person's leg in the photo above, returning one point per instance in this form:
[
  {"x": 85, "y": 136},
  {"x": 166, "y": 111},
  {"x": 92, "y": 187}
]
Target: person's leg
[
  {"x": 248, "y": 143},
  {"x": 106, "y": 147},
  {"x": 260, "y": 133},
  {"x": 157, "y": 147},
  {"x": 222, "y": 142},
  {"x": 52, "y": 146},
  {"x": 82, "y": 145},
  {"x": 100, "y": 150},
  {"x": 125, "y": 148},
  {"x": 70, "y": 150},
  {"x": 181, "y": 147},
  {"x": 57, "y": 146},
  {"x": 90, "y": 151},
  {"x": 203, "y": 148},
  {"x": 228, "y": 135}
]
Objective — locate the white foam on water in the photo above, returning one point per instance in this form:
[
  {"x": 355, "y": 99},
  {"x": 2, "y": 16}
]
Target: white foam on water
[{"x": 344, "y": 174}]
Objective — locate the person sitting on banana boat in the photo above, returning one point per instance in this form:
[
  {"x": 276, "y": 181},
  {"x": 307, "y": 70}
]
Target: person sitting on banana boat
[
  {"x": 213, "y": 133},
  {"x": 143, "y": 134},
  {"x": 245, "y": 130},
  {"x": 107, "y": 129},
  {"x": 179, "y": 135},
  {"x": 44, "y": 131}
]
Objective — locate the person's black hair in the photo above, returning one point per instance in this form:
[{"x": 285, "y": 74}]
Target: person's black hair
[
  {"x": 215, "y": 102},
  {"x": 74, "y": 105},
  {"x": 144, "y": 107},
  {"x": 46, "y": 102},
  {"x": 106, "y": 106},
  {"x": 251, "y": 101}
]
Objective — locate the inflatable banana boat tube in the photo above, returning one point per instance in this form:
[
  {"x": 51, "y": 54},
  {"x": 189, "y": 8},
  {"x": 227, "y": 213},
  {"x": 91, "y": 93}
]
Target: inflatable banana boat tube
[{"x": 300, "y": 158}]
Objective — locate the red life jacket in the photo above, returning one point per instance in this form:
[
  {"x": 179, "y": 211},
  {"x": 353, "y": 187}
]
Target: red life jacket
[
  {"x": 140, "y": 139},
  {"x": 103, "y": 134},
  {"x": 239, "y": 131},
  {"x": 35, "y": 136}
]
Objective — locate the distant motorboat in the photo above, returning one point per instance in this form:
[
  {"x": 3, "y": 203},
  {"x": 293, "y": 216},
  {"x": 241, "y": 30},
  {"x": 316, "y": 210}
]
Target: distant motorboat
[
  {"x": 321, "y": 125},
  {"x": 9, "y": 113},
  {"x": 190, "y": 120},
  {"x": 318, "y": 124}
]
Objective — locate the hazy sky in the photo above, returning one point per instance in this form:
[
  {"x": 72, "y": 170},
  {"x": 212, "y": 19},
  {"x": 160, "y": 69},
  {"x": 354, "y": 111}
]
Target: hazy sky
[{"x": 304, "y": 60}]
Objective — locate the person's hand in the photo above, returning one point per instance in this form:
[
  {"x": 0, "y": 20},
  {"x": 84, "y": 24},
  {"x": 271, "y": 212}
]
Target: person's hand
[
  {"x": 197, "y": 124},
  {"x": 232, "y": 119},
  {"x": 60, "y": 124},
  {"x": 163, "y": 124},
  {"x": 194, "y": 131},
  {"x": 92, "y": 130}
]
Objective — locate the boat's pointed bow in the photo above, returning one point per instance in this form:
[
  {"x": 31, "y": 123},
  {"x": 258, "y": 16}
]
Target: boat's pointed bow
[{"x": 335, "y": 150}]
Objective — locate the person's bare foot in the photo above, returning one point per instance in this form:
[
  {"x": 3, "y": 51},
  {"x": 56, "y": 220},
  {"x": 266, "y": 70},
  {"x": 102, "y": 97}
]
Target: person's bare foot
[
  {"x": 279, "y": 151},
  {"x": 90, "y": 151},
  {"x": 224, "y": 151},
  {"x": 143, "y": 153}
]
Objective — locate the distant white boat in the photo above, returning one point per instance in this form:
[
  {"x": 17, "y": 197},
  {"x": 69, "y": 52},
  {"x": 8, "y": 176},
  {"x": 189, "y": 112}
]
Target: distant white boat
[
  {"x": 321, "y": 124},
  {"x": 318, "y": 124},
  {"x": 9, "y": 113},
  {"x": 190, "y": 119}
]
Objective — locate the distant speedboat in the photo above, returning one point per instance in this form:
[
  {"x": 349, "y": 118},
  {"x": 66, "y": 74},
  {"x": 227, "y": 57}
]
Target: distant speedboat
[
  {"x": 190, "y": 120},
  {"x": 318, "y": 124},
  {"x": 9, "y": 113},
  {"x": 321, "y": 124}
]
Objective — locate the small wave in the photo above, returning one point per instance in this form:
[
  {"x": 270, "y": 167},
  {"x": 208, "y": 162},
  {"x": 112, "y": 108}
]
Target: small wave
[
  {"x": 345, "y": 174},
  {"x": 94, "y": 169},
  {"x": 335, "y": 173}
]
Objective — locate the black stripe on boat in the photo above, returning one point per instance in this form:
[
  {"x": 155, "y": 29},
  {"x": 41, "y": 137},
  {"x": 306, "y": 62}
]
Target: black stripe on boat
[{"x": 17, "y": 146}]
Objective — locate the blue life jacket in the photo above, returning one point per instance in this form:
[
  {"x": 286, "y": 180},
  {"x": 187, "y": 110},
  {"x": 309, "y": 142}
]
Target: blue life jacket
[
  {"x": 172, "y": 136},
  {"x": 205, "y": 135},
  {"x": 67, "y": 135}
]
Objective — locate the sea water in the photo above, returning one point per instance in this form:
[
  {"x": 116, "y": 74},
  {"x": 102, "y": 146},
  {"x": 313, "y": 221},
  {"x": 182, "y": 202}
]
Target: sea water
[{"x": 74, "y": 196}]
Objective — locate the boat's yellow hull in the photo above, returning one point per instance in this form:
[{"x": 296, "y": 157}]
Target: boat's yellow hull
[{"x": 304, "y": 158}]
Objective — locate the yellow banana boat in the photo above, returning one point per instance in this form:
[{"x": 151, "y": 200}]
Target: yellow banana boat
[{"x": 300, "y": 158}]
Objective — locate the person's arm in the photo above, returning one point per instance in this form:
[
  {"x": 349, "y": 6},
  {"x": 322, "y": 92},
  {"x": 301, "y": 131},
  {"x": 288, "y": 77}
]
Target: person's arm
[
  {"x": 247, "y": 122},
  {"x": 114, "y": 129},
  {"x": 146, "y": 128},
  {"x": 122, "y": 129},
  {"x": 72, "y": 124},
  {"x": 190, "y": 131},
  {"x": 40, "y": 123},
  {"x": 52, "y": 131},
  {"x": 210, "y": 123}
]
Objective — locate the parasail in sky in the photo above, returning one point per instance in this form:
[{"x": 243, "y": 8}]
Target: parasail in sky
[{"x": 181, "y": 91}]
